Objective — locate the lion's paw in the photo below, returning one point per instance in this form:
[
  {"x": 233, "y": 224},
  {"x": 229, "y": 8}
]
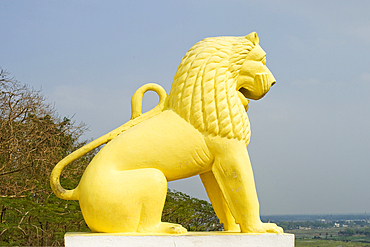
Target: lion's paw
[
  {"x": 264, "y": 228},
  {"x": 272, "y": 228},
  {"x": 171, "y": 228}
]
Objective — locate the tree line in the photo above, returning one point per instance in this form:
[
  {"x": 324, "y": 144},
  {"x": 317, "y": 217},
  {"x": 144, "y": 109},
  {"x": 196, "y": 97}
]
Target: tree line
[
  {"x": 33, "y": 138},
  {"x": 359, "y": 231}
]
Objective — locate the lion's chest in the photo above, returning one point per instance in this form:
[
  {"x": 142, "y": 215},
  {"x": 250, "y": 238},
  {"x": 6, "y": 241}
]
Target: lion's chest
[{"x": 166, "y": 142}]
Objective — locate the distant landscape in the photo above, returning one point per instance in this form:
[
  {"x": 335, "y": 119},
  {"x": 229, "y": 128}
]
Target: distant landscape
[
  {"x": 325, "y": 230},
  {"x": 317, "y": 217}
]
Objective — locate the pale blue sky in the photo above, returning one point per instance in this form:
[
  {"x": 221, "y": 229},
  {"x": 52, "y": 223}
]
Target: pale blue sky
[{"x": 310, "y": 146}]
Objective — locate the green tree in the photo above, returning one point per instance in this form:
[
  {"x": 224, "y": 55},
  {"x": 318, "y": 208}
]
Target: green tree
[
  {"x": 190, "y": 212},
  {"x": 367, "y": 231},
  {"x": 347, "y": 232},
  {"x": 33, "y": 138}
]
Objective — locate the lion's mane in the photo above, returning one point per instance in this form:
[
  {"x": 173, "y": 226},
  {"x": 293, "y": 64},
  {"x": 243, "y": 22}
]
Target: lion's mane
[{"x": 204, "y": 87}]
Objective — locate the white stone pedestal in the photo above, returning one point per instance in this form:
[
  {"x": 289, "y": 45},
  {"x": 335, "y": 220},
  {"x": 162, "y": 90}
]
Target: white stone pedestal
[{"x": 201, "y": 239}]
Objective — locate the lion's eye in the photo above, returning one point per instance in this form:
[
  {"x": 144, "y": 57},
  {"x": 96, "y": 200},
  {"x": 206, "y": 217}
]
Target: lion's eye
[{"x": 264, "y": 60}]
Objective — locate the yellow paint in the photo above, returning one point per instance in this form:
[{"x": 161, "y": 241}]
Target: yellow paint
[{"x": 200, "y": 128}]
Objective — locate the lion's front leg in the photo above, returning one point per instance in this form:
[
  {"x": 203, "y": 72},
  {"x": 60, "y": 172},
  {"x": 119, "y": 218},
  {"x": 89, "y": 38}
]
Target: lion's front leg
[
  {"x": 233, "y": 172},
  {"x": 218, "y": 202}
]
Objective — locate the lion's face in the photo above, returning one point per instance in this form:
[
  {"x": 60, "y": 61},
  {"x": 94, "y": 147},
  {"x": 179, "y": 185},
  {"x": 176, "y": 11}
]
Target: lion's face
[
  {"x": 214, "y": 81},
  {"x": 254, "y": 79}
]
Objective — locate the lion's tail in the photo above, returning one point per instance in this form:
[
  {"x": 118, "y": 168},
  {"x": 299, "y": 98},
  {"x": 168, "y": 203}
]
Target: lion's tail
[{"x": 136, "y": 118}]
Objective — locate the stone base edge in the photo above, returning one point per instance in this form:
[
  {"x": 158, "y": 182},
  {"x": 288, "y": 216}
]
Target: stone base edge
[{"x": 196, "y": 239}]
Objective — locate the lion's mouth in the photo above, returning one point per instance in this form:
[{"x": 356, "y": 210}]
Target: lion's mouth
[
  {"x": 242, "y": 94},
  {"x": 255, "y": 94}
]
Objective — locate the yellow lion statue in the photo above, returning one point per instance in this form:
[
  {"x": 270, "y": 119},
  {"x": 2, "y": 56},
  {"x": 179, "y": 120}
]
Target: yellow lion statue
[{"x": 201, "y": 128}]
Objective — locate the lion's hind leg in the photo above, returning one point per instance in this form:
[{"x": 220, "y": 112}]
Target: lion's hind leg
[
  {"x": 126, "y": 201},
  {"x": 153, "y": 199}
]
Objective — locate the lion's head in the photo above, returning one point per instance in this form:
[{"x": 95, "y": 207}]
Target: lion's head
[{"x": 214, "y": 80}]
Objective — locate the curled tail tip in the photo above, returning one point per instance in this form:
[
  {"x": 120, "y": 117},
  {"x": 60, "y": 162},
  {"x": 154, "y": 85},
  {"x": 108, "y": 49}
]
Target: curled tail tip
[
  {"x": 57, "y": 188},
  {"x": 62, "y": 193}
]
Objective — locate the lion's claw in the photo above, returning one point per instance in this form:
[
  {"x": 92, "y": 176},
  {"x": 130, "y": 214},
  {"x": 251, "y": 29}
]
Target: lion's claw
[
  {"x": 171, "y": 228},
  {"x": 272, "y": 228},
  {"x": 264, "y": 228}
]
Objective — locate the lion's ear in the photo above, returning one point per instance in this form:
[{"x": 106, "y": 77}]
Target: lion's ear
[{"x": 253, "y": 37}]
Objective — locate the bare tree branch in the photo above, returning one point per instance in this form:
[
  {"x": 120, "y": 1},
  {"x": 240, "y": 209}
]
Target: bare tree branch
[{"x": 17, "y": 170}]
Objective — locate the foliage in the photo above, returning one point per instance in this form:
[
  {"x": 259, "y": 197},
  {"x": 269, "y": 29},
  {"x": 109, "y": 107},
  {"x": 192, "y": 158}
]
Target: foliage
[
  {"x": 27, "y": 222},
  {"x": 327, "y": 243},
  {"x": 190, "y": 212},
  {"x": 347, "y": 232},
  {"x": 330, "y": 237},
  {"x": 289, "y": 225},
  {"x": 33, "y": 138},
  {"x": 363, "y": 231}
]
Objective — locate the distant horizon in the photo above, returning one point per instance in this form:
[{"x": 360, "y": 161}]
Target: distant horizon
[{"x": 316, "y": 217}]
